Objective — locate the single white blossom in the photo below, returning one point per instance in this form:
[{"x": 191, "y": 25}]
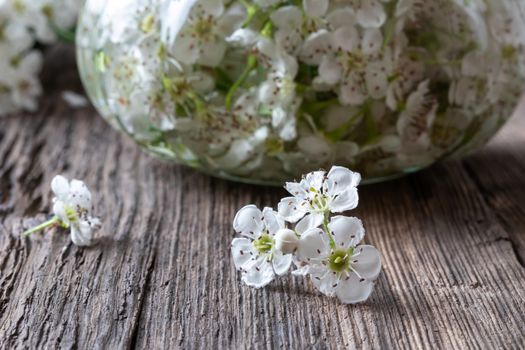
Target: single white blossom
[
  {"x": 72, "y": 206},
  {"x": 318, "y": 194},
  {"x": 255, "y": 254},
  {"x": 336, "y": 263}
]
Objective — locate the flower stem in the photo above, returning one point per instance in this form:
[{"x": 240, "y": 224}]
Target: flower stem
[
  {"x": 250, "y": 66},
  {"x": 53, "y": 221},
  {"x": 325, "y": 225}
]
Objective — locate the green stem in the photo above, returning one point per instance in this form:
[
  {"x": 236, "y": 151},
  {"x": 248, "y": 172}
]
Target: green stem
[
  {"x": 325, "y": 225},
  {"x": 251, "y": 11},
  {"x": 250, "y": 66},
  {"x": 53, "y": 221}
]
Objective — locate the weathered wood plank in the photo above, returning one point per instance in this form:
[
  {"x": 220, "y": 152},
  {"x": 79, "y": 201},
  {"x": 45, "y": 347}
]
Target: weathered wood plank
[{"x": 161, "y": 275}]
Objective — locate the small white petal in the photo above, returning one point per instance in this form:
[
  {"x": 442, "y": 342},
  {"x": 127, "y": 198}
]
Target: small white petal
[
  {"x": 288, "y": 17},
  {"x": 281, "y": 262},
  {"x": 290, "y": 209},
  {"x": 82, "y": 234},
  {"x": 260, "y": 274},
  {"x": 314, "y": 243},
  {"x": 296, "y": 190},
  {"x": 326, "y": 283},
  {"x": 346, "y": 231},
  {"x": 368, "y": 263},
  {"x": 60, "y": 187},
  {"x": 371, "y": 14},
  {"x": 352, "y": 289},
  {"x": 272, "y": 220},
  {"x": 340, "y": 179},
  {"x": 346, "y": 38},
  {"x": 248, "y": 221},
  {"x": 372, "y": 41},
  {"x": 329, "y": 70},
  {"x": 310, "y": 221},
  {"x": 315, "y": 8},
  {"x": 79, "y": 195},
  {"x": 241, "y": 249},
  {"x": 347, "y": 200}
]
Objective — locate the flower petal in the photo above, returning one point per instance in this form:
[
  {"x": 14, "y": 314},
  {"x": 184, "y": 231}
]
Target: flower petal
[
  {"x": 315, "y": 8},
  {"x": 281, "y": 262},
  {"x": 60, "y": 187},
  {"x": 347, "y": 200},
  {"x": 340, "y": 179},
  {"x": 371, "y": 14},
  {"x": 242, "y": 253},
  {"x": 272, "y": 220},
  {"x": 329, "y": 70},
  {"x": 310, "y": 221},
  {"x": 79, "y": 195},
  {"x": 372, "y": 41},
  {"x": 325, "y": 283},
  {"x": 346, "y": 38},
  {"x": 82, "y": 234},
  {"x": 368, "y": 262},
  {"x": 352, "y": 289},
  {"x": 314, "y": 243},
  {"x": 290, "y": 209},
  {"x": 296, "y": 189},
  {"x": 288, "y": 17},
  {"x": 346, "y": 231},
  {"x": 248, "y": 221},
  {"x": 260, "y": 274},
  {"x": 185, "y": 49}
]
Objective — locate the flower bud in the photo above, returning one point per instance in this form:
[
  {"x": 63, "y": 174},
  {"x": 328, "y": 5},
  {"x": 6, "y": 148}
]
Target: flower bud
[{"x": 286, "y": 241}]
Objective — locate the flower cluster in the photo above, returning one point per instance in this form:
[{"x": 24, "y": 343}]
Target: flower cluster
[
  {"x": 270, "y": 89},
  {"x": 23, "y": 24},
  {"x": 304, "y": 232},
  {"x": 72, "y": 207}
]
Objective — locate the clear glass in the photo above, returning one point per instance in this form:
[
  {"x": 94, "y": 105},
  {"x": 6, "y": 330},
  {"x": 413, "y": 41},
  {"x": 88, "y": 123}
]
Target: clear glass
[{"x": 263, "y": 91}]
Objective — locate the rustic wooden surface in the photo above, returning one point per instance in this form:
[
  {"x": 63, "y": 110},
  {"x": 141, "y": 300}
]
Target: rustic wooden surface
[{"x": 161, "y": 276}]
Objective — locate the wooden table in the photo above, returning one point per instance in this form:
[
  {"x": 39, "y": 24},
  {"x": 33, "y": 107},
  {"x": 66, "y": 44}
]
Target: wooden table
[{"x": 161, "y": 276}]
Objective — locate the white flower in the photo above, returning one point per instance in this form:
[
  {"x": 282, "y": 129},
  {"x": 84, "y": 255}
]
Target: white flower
[
  {"x": 201, "y": 39},
  {"x": 354, "y": 65},
  {"x": 414, "y": 123},
  {"x": 23, "y": 82},
  {"x": 319, "y": 194},
  {"x": 336, "y": 264},
  {"x": 256, "y": 255},
  {"x": 278, "y": 91},
  {"x": 72, "y": 205}
]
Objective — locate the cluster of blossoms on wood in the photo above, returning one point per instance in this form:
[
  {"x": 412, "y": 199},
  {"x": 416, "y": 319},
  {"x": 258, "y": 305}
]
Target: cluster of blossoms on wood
[
  {"x": 305, "y": 232},
  {"x": 261, "y": 88},
  {"x": 24, "y": 24},
  {"x": 72, "y": 208}
]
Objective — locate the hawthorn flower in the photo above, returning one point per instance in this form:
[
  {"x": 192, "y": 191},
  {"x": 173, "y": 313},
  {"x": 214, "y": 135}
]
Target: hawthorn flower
[
  {"x": 335, "y": 261},
  {"x": 255, "y": 254},
  {"x": 415, "y": 121},
  {"x": 72, "y": 207},
  {"x": 318, "y": 194},
  {"x": 200, "y": 37}
]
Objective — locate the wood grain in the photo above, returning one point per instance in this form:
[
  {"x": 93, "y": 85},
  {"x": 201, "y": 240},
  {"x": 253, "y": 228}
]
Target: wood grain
[{"x": 161, "y": 276}]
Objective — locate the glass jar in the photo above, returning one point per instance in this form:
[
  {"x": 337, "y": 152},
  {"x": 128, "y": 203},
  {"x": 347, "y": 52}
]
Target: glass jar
[{"x": 265, "y": 90}]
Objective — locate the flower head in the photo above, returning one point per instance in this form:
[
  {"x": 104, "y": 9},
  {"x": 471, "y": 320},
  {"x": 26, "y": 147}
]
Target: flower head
[
  {"x": 336, "y": 262},
  {"x": 255, "y": 254},
  {"x": 72, "y": 205},
  {"x": 319, "y": 193}
]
